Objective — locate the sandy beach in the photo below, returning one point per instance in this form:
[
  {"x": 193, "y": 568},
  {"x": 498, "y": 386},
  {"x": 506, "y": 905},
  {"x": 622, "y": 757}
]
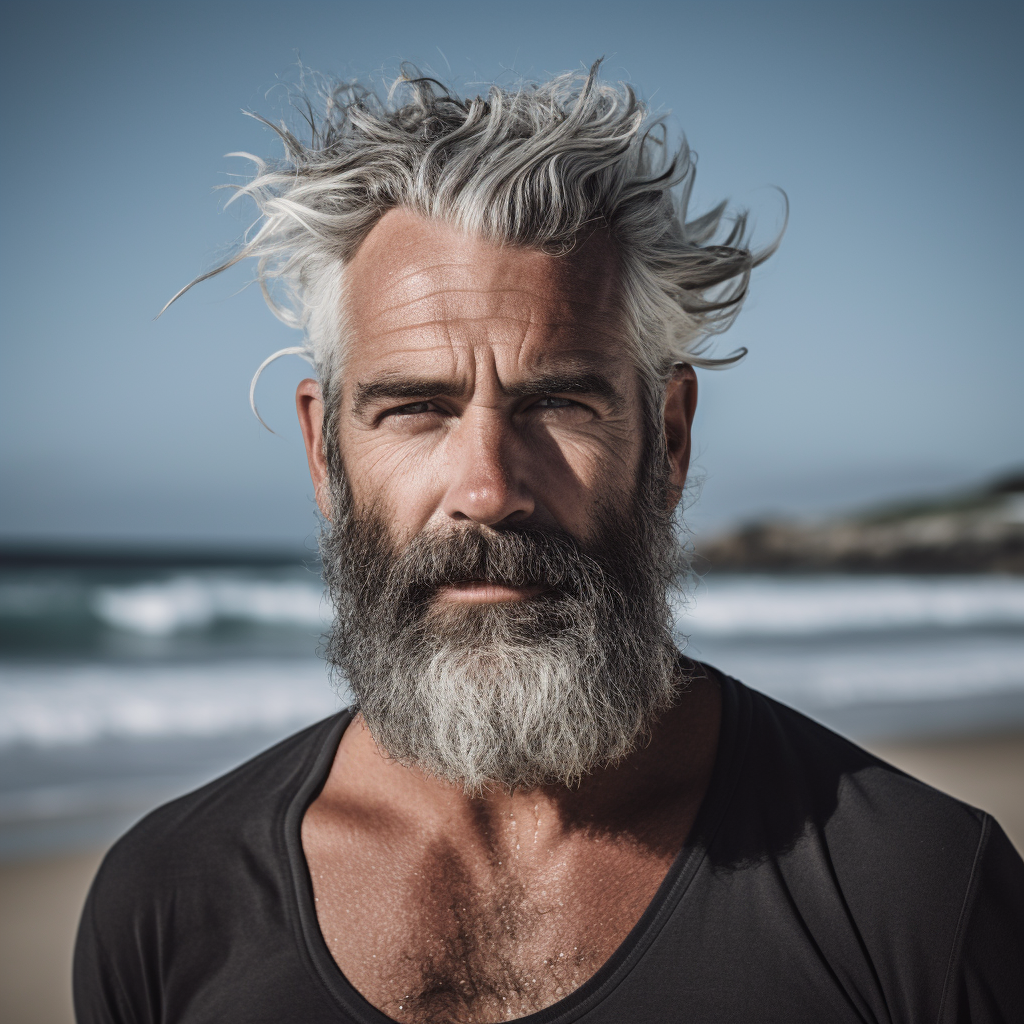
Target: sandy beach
[
  {"x": 40, "y": 900},
  {"x": 39, "y": 906}
]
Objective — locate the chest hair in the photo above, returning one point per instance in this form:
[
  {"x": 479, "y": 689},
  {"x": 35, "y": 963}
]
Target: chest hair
[{"x": 439, "y": 946}]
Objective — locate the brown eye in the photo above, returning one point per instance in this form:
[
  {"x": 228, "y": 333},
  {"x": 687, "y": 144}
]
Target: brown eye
[{"x": 552, "y": 402}]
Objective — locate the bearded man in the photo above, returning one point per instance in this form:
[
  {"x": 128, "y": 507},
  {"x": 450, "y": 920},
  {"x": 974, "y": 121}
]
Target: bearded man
[{"x": 538, "y": 808}]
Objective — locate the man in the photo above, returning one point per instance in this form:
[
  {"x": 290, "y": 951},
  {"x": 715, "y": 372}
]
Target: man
[{"x": 538, "y": 808}]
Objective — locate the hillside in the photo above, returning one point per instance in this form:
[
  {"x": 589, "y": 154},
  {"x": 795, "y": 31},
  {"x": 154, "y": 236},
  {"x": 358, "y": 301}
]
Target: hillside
[{"x": 971, "y": 531}]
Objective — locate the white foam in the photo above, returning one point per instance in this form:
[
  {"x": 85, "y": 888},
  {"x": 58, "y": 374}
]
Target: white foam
[
  {"x": 191, "y": 602},
  {"x": 80, "y": 704},
  {"x": 779, "y": 606},
  {"x": 970, "y": 667}
]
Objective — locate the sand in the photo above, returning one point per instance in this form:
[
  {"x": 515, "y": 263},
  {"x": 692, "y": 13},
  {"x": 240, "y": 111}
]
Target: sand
[
  {"x": 40, "y": 900},
  {"x": 39, "y": 906}
]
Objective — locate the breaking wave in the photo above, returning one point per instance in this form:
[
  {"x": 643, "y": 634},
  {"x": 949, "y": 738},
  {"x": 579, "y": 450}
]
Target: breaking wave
[
  {"x": 47, "y": 705},
  {"x": 189, "y": 602},
  {"x": 800, "y": 606}
]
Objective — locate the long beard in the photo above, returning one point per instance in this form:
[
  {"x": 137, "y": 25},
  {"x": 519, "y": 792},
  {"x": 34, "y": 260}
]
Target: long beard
[{"x": 514, "y": 694}]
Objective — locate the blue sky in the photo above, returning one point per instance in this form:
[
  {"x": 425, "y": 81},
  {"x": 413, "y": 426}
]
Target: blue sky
[{"x": 885, "y": 343}]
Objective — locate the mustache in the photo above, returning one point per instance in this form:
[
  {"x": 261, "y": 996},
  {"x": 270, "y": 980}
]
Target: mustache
[{"x": 512, "y": 556}]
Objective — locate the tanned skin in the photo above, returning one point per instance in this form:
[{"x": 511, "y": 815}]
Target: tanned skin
[{"x": 491, "y": 384}]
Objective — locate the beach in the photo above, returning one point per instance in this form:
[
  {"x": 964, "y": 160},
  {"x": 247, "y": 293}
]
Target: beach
[{"x": 40, "y": 899}]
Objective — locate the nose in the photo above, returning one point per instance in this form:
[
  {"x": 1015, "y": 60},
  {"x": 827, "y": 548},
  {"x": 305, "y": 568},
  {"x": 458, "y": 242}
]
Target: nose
[{"x": 487, "y": 467}]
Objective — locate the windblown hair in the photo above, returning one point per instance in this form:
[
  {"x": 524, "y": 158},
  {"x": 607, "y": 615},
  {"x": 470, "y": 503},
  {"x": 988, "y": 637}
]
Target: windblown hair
[{"x": 541, "y": 166}]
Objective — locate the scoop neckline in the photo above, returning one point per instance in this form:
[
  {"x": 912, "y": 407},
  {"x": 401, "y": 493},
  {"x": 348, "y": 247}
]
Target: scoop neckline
[{"x": 733, "y": 732}]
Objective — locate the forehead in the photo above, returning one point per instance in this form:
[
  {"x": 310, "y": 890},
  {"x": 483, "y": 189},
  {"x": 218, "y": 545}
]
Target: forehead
[{"x": 421, "y": 290}]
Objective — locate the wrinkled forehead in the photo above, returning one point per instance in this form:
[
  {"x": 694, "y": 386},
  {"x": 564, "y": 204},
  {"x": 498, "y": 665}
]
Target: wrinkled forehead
[{"x": 418, "y": 288}]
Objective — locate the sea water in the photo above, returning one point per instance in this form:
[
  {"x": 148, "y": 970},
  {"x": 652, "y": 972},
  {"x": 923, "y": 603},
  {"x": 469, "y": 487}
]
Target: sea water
[{"x": 121, "y": 688}]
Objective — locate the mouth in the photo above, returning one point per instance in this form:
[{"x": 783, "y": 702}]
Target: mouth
[{"x": 486, "y": 592}]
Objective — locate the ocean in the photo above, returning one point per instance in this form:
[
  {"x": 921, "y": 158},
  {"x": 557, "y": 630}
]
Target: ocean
[{"x": 122, "y": 686}]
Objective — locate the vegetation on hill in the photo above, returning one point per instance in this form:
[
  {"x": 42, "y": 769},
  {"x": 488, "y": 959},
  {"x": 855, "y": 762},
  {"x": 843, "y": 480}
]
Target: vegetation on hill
[{"x": 971, "y": 531}]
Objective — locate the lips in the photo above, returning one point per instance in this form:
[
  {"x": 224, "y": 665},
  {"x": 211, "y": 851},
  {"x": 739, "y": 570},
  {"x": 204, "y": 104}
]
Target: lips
[{"x": 489, "y": 591}]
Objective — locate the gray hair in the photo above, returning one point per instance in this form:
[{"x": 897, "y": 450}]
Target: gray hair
[{"x": 541, "y": 166}]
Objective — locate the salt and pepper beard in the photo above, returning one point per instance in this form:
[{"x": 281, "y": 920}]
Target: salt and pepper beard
[{"x": 513, "y": 694}]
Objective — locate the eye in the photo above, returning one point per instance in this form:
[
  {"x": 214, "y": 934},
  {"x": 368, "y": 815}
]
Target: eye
[
  {"x": 412, "y": 409},
  {"x": 553, "y": 402}
]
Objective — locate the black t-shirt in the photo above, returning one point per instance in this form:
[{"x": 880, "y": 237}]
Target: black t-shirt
[{"x": 818, "y": 884}]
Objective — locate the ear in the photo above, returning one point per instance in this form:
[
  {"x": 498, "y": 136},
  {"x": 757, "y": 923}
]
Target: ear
[
  {"x": 310, "y": 406},
  {"x": 680, "y": 405}
]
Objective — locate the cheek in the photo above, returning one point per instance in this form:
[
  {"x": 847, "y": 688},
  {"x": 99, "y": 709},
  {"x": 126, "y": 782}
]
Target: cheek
[
  {"x": 575, "y": 473},
  {"x": 578, "y": 463},
  {"x": 400, "y": 479}
]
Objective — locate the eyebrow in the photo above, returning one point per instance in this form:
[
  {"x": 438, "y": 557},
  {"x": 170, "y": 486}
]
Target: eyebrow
[{"x": 395, "y": 387}]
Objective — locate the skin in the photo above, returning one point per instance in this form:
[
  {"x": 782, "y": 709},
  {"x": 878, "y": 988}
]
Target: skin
[{"x": 491, "y": 384}]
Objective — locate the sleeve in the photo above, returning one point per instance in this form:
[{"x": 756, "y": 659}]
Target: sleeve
[
  {"x": 109, "y": 980},
  {"x": 985, "y": 982}
]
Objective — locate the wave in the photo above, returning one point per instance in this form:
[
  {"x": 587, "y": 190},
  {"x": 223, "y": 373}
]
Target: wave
[
  {"x": 905, "y": 673},
  {"x": 190, "y": 602},
  {"x": 48, "y": 705},
  {"x": 788, "y": 606}
]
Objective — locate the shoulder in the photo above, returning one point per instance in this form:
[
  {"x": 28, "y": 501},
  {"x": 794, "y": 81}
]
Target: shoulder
[
  {"x": 202, "y": 834},
  {"x": 910, "y": 870},
  {"x": 808, "y": 798},
  {"x": 214, "y": 862},
  {"x": 860, "y": 802}
]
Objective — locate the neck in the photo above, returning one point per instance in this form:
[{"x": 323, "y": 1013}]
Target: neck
[{"x": 622, "y": 802}]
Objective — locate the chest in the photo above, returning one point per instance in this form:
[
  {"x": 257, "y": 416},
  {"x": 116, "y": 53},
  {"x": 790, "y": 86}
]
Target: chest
[{"x": 435, "y": 935}]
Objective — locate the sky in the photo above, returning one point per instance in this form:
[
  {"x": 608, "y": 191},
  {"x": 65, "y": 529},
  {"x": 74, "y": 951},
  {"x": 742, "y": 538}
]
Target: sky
[{"x": 886, "y": 353}]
